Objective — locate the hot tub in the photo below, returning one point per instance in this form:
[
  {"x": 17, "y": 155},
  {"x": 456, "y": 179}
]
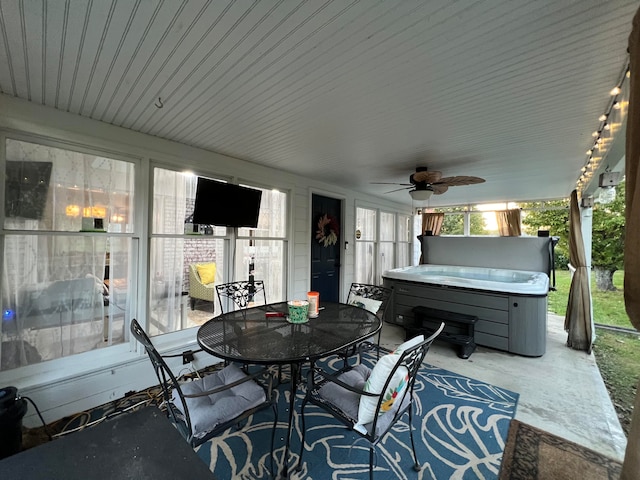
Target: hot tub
[
  {"x": 511, "y": 305},
  {"x": 478, "y": 278}
]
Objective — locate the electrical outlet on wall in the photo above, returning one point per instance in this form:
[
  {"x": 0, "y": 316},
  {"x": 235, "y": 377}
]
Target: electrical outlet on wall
[{"x": 187, "y": 357}]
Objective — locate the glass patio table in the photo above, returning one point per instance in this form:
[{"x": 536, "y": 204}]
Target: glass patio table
[{"x": 250, "y": 336}]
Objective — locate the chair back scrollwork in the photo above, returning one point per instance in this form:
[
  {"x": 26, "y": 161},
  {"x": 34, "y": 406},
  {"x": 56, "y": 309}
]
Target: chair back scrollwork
[{"x": 243, "y": 294}]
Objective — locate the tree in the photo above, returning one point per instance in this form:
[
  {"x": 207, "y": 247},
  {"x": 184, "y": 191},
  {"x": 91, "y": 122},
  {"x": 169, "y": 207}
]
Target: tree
[
  {"x": 607, "y": 247},
  {"x": 477, "y": 225},
  {"x": 607, "y": 241},
  {"x": 553, "y": 216},
  {"x": 453, "y": 223}
]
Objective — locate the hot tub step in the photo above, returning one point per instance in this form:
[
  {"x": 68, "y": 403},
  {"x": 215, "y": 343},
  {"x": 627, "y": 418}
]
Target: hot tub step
[{"x": 458, "y": 330}]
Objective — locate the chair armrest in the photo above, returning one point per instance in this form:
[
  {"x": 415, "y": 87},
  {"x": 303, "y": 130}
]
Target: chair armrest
[{"x": 334, "y": 379}]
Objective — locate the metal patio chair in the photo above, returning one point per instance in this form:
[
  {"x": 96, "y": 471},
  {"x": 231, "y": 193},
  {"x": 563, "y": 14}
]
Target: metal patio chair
[
  {"x": 202, "y": 408},
  {"x": 370, "y": 402}
]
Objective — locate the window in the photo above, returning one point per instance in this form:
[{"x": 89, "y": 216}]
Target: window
[
  {"x": 482, "y": 220},
  {"x": 67, "y": 252},
  {"x": 178, "y": 298},
  {"x": 453, "y": 223},
  {"x": 403, "y": 246},
  {"x": 386, "y": 257},
  {"x": 380, "y": 249},
  {"x": 466, "y": 220},
  {"x": 262, "y": 251},
  {"x": 366, "y": 234}
]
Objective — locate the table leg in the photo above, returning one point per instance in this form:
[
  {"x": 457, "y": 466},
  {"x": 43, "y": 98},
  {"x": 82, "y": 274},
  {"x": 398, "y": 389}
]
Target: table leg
[{"x": 292, "y": 401}]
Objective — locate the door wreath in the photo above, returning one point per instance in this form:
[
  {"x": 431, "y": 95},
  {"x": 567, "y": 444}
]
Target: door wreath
[{"x": 328, "y": 230}]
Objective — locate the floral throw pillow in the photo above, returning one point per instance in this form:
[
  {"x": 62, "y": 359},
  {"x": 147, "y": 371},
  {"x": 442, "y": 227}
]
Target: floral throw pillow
[{"x": 375, "y": 384}]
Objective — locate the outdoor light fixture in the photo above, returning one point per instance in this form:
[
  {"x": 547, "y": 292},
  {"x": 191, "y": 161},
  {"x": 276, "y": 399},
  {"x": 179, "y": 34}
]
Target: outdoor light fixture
[
  {"x": 607, "y": 183},
  {"x": 421, "y": 195}
]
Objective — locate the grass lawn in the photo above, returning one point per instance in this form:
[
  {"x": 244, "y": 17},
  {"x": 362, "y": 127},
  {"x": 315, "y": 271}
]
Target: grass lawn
[
  {"x": 608, "y": 307},
  {"x": 617, "y": 354}
]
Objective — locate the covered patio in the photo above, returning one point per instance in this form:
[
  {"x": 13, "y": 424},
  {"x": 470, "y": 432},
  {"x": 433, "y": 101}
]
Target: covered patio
[{"x": 302, "y": 99}]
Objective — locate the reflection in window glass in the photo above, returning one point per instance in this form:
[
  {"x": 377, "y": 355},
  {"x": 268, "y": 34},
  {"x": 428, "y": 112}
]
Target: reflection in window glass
[
  {"x": 52, "y": 189},
  {"x": 62, "y": 293}
]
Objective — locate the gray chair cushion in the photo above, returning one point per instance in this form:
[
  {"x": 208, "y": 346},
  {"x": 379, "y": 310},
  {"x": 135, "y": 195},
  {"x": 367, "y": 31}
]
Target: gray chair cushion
[
  {"x": 349, "y": 402},
  {"x": 342, "y": 398},
  {"x": 207, "y": 412}
]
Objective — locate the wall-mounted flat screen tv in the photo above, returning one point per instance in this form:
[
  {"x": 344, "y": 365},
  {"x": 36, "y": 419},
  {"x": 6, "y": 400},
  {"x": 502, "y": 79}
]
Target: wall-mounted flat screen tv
[
  {"x": 226, "y": 204},
  {"x": 26, "y": 189}
]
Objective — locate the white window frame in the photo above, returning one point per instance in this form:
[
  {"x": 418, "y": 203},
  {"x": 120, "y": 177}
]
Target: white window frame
[{"x": 79, "y": 363}]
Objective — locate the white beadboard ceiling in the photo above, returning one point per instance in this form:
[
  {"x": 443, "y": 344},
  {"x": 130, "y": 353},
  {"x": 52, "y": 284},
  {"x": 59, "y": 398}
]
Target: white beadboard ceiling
[{"x": 348, "y": 92}]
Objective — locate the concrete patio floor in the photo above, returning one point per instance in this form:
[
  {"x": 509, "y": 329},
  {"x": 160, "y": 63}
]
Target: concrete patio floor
[{"x": 561, "y": 392}]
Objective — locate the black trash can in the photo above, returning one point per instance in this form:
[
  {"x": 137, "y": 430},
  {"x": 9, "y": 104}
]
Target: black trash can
[{"x": 12, "y": 410}]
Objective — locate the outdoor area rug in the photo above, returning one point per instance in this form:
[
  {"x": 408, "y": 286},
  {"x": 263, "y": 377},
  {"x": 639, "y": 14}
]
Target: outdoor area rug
[
  {"x": 461, "y": 430},
  {"x": 533, "y": 454}
]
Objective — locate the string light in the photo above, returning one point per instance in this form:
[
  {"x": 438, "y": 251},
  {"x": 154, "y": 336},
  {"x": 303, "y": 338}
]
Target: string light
[{"x": 600, "y": 144}]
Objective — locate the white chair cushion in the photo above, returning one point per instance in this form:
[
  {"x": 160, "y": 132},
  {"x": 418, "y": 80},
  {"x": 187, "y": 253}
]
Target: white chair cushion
[
  {"x": 207, "y": 412},
  {"x": 412, "y": 342},
  {"x": 367, "y": 303}
]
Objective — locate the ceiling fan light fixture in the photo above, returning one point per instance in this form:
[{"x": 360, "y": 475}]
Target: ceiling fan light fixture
[{"x": 421, "y": 195}]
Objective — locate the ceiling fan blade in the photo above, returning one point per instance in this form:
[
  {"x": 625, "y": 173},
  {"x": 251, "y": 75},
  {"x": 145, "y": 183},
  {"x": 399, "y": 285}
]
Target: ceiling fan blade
[
  {"x": 439, "y": 189},
  {"x": 460, "y": 180},
  {"x": 428, "y": 176},
  {"x": 398, "y": 189},
  {"x": 391, "y": 183}
]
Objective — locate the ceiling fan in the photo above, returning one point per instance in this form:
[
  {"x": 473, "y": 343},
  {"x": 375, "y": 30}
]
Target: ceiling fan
[{"x": 424, "y": 183}]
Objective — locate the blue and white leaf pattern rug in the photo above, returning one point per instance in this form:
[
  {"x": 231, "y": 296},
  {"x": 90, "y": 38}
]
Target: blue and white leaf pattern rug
[{"x": 460, "y": 424}]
